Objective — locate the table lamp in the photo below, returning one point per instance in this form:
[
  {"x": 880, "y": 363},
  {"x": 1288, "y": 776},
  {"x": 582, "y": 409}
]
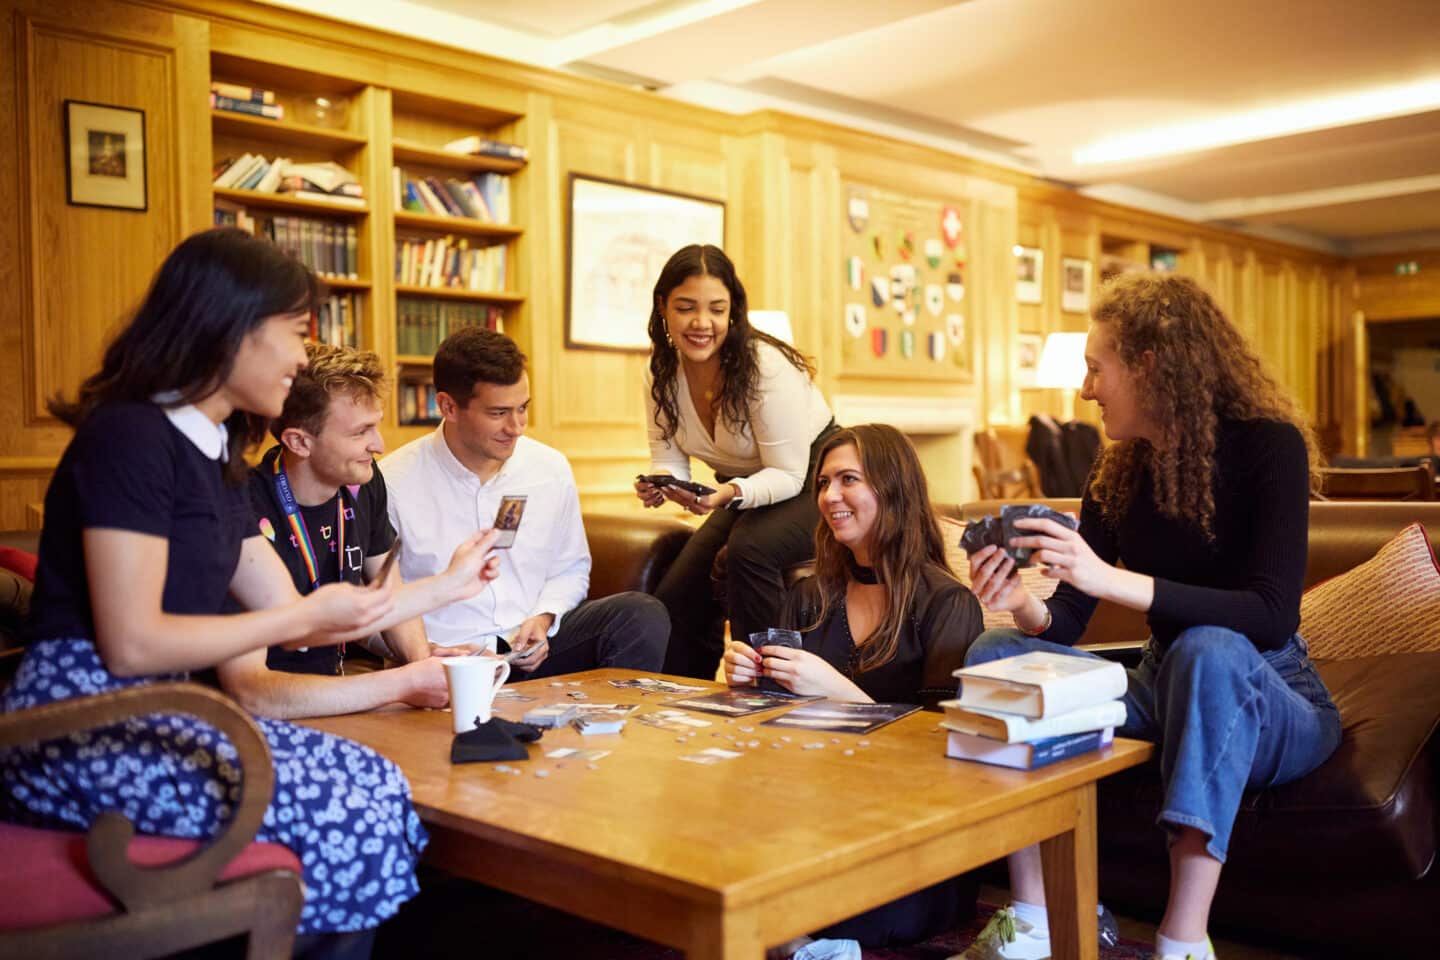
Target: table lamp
[
  {"x": 1062, "y": 366},
  {"x": 774, "y": 322}
]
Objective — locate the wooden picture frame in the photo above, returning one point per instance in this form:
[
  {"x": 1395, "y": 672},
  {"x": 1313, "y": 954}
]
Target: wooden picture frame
[
  {"x": 104, "y": 156},
  {"x": 1075, "y": 275},
  {"x": 1029, "y": 274},
  {"x": 620, "y": 236},
  {"x": 1027, "y": 358}
]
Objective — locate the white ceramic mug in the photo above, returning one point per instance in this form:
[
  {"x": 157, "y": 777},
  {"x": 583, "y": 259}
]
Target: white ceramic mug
[{"x": 473, "y": 683}]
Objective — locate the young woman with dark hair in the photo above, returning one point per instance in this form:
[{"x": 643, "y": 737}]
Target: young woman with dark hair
[
  {"x": 148, "y": 528},
  {"x": 747, "y": 405},
  {"x": 1204, "y": 497},
  {"x": 883, "y": 620}
]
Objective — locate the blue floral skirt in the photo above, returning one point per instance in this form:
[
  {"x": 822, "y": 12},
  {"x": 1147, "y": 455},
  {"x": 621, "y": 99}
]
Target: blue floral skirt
[{"x": 342, "y": 808}]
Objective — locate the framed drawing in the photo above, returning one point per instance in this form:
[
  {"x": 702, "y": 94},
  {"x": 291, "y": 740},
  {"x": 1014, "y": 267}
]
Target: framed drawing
[
  {"x": 1029, "y": 273},
  {"x": 1027, "y": 358},
  {"x": 1075, "y": 286},
  {"x": 620, "y": 237},
  {"x": 105, "y": 156}
]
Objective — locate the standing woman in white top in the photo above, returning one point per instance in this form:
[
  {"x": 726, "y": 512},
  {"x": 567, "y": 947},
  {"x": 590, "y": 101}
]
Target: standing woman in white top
[{"x": 746, "y": 404}]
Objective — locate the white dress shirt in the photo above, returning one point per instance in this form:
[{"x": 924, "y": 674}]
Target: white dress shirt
[
  {"x": 770, "y": 456},
  {"x": 436, "y": 503}
]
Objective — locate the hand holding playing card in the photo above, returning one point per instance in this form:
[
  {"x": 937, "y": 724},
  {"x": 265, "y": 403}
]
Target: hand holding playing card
[
  {"x": 742, "y": 664},
  {"x": 804, "y": 673},
  {"x": 530, "y": 642}
]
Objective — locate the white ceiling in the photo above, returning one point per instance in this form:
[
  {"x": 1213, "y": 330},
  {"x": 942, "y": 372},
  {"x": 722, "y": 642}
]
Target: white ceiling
[{"x": 1027, "y": 83}]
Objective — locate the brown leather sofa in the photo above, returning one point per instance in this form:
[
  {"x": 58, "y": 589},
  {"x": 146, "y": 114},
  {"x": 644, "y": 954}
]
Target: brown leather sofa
[{"x": 1341, "y": 862}]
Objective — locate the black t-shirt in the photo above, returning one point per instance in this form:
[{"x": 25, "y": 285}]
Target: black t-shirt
[
  {"x": 367, "y": 534},
  {"x": 1248, "y": 580},
  {"x": 944, "y": 619},
  {"x": 129, "y": 468}
]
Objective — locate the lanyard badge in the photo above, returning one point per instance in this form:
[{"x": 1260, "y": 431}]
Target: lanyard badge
[{"x": 297, "y": 525}]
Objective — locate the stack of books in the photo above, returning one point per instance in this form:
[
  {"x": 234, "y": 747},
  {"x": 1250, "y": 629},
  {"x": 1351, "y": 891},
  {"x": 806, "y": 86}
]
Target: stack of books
[
  {"x": 485, "y": 147},
  {"x": 1034, "y": 709},
  {"x": 448, "y": 262},
  {"x": 251, "y": 101},
  {"x": 326, "y": 180}
]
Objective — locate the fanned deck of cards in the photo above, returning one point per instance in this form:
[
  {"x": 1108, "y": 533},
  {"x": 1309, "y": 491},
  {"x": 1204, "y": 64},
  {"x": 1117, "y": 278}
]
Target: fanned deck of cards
[
  {"x": 834, "y": 716},
  {"x": 739, "y": 703}
]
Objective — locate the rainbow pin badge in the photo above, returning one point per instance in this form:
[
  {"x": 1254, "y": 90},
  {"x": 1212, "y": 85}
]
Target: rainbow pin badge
[{"x": 267, "y": 529}]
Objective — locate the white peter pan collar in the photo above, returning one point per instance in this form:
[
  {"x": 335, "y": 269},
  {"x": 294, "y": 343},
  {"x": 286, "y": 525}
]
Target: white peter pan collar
[{"x": 209, "y": 437}]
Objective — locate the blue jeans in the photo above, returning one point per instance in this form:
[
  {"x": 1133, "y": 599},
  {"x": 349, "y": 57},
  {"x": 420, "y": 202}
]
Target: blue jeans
[{"x": 1226, "y": 716}]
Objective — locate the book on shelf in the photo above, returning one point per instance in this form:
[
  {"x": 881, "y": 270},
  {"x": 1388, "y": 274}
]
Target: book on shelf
[
  {"x": 254, "y": 172},
  {"x": 238, "y": 91},
  {"x": 1025, "y": 756},
  {"x": 337, "y": 321},
  {"x": 1013, "y": 728},
  {"x": 484, "y": 197},
  {"x": 329, "y": 247},
  {"x": 421, "y": 324},
  {"x": 269, "y": 111},
  {"x": 449, "y": 263},
  {"x": 1040, "y": 683},
  {"x": 476, "y": 145},
  {"x": 418, "y": 404}
]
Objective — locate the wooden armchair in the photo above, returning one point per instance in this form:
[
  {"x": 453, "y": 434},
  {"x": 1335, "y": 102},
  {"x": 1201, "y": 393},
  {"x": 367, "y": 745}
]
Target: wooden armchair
[
  {"x": 109, "y": 892},
  {"x": 1002, "y": 470},
  {"x": 1378, "y": 483}
]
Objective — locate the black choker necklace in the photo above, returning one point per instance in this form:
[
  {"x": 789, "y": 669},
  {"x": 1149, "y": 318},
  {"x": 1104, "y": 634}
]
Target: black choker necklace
[{"x": 862, "y": 574}]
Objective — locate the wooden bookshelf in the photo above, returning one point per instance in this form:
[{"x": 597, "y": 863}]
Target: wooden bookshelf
[
  {"x": 284, "y": 201},
  {"x": 283, "y": 132},
  {"x": 465, "y": 225},
  {"x": 413, "y": 360},
  {"x": 456, "y": 293},
  {"x": 406, "y": 151}
]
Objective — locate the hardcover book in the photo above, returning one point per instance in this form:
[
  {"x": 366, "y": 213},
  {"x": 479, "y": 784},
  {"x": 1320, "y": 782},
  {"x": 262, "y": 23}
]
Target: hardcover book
[
  {"x": 1012, "y": 728},
  {"x": 1026, "y": 756},
  {"x": 1040, "y": 684}
]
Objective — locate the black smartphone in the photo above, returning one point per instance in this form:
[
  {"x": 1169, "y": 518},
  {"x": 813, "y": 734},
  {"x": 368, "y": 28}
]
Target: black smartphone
[{"x": 665, "y": 480}]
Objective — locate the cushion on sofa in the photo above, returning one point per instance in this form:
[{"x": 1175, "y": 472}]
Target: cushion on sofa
[
  {"x": 18, "y": 561},
  {"x": 1367, "y": 813},
  {"x": 1388, "y": 604}
]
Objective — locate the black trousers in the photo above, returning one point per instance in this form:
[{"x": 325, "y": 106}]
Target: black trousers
[
  {"x": 763, "y": 542},
  {"x": 625, "y": 630}
]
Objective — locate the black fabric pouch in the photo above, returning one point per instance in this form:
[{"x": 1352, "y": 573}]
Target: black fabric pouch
[{"x": 499, "y": 739}]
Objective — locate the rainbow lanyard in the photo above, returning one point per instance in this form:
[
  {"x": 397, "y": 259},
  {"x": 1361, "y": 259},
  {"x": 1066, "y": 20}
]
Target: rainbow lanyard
[{"x": 297, "y": 525}]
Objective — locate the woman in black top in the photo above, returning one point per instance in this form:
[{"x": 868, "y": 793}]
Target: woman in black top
[
  {"x": 148, "y": 527},
  {"x": 882, "y": 619},
  {"x": 1204, "y": 498}
]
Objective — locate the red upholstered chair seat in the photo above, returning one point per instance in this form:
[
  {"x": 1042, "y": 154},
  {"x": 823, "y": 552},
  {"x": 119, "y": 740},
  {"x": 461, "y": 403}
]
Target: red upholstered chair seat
[{"x": 48, "y": 878}]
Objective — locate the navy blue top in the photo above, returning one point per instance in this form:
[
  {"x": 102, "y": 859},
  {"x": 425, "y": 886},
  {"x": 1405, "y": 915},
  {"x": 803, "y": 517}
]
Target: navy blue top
[
  {"x": 129, "y": 468},
  {"x": 1248, "y": 580}
]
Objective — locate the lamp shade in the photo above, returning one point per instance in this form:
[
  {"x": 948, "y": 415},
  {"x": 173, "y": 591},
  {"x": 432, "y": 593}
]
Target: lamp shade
[
  {"x": 774, "y": 322},
  {"x": 1062, "y": 361}
]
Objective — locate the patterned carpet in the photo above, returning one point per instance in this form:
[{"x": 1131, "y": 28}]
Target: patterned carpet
[{"x": 453, "y": 914}]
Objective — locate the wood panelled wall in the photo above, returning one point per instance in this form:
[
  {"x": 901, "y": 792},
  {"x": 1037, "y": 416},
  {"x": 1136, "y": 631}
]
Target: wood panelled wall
[{"x": 75, "y": 271}]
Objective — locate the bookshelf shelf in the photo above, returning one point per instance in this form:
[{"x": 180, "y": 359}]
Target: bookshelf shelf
[
  {"x": 282, "y": 201},
  {"x": 465, "y": 225},
  {"x": 283, "y": 132},
  {"x": 414, "y": 360},
  {"x": 344, "y": 283},
  {"x": 454, "y": 293},
  {"x": 407, "y": 151}
]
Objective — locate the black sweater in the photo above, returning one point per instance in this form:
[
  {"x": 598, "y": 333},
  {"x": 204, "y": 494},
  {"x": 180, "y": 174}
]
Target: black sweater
[{"x": 1248, "y": 580}]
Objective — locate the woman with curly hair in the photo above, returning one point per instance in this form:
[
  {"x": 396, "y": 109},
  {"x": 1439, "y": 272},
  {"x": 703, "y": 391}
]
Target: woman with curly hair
[
  {"x": 883, "y": 620},
  {"x": 1204, "y": 497},
  {"x": 747, "y": 405}
]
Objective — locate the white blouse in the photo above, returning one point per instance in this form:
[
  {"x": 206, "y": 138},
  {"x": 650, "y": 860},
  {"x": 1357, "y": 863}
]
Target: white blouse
[{"x": 770, "y": 456}]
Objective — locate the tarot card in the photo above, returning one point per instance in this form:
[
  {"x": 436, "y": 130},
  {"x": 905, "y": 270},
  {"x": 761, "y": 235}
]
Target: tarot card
[{"x": 507, "y": 520}]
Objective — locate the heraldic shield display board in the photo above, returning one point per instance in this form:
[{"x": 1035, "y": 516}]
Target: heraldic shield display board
[{"x": 905, "y": 313}]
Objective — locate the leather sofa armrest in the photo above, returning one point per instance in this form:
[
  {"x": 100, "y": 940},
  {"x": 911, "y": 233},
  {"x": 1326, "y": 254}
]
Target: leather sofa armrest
[{"x": 629, "y": 552}]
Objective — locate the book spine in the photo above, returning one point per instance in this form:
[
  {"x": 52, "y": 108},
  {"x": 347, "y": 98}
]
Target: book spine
[
  {"x": 1045, "y": 752},
  {"x": 270, "y": 111}
]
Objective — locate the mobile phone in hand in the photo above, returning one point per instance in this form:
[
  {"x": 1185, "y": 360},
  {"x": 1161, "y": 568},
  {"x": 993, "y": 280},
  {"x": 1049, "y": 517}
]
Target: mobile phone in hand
[
  {"x": 507, "y": 520},
  {"x": 390, "y": 557},
  {"x": 665, "y": 480}
]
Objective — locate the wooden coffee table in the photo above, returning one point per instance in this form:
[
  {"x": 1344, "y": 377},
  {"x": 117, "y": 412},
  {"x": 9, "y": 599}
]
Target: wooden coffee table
[{"x": 726, "y": 859}]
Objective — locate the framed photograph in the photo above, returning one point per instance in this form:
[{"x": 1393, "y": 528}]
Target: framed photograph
[
  {"x": 1029, "y": 273},
  {"x": 620, "y": 237},
  {"x": 1075, "y": 285},
  {"x": 1027, "y": 358},
  {"x": 105, "y": 156}
]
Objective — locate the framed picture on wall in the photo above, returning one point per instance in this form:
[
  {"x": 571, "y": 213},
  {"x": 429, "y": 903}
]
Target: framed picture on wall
[
  {"x": 1075, "y": 285},
  {"x": 105, "y": 156},
  {"x": 620, "y": 236},
  {"x": 1027, "y": 358},
  {"x": 1029, "y": 273}
]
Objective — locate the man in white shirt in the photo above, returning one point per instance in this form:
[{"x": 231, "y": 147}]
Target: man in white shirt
[{"x": 445, "y": 486}]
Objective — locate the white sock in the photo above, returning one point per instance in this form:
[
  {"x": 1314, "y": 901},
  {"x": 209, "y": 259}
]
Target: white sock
[
  {"x": 1034, "y": 915},
  {"x": 1166, "y": 947}
]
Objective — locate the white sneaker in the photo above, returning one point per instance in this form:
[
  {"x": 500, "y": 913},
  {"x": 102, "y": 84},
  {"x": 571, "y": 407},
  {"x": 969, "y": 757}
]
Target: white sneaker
[
  {"x": 828, "y": 950},
  {"x": 1007, "y": 937},
  {"x": 1208, "y": 955}
]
